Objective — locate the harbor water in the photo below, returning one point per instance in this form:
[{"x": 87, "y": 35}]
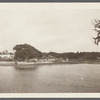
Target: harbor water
[{"x": 55, "y": 78}]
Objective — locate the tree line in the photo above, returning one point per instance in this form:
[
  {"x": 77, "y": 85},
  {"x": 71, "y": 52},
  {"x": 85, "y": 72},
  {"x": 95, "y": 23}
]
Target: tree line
[
  {"x": 90, "y": 56},
  {"x": 25, "y": 51}
]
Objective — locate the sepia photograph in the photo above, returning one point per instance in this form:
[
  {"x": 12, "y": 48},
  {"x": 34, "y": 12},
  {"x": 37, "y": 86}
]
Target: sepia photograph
[{"x": 49, "y": 48}]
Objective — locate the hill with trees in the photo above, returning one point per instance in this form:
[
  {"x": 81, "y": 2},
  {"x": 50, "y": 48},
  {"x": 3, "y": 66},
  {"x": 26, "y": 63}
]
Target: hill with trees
[
  {"x": 26, "y": 52},
  {"x": 79, "y": 56}
]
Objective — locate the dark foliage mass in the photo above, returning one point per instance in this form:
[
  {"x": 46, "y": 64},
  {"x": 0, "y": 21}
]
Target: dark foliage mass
[
  {"x": 81, "y": 56},
  {"x": 25, "y": 52},
  {"x": 97, "y": 30}
]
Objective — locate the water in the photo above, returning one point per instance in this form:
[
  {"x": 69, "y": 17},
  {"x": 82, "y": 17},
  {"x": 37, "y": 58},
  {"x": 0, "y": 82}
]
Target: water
[{"x": 61, "y": 78}]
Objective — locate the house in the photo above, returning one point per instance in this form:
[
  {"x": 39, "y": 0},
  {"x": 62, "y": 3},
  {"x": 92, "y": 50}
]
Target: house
[
  {"x": 6, "y": 56},
  {"x": 98, "y": 58},
  {"x": 50, "y": 58},
  {"x": 33, "y": 60},
  {"x": 47, "y": 59}
]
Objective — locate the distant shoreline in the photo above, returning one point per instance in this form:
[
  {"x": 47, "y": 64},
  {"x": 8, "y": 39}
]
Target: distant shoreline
[{"x": 12, "y": 63}]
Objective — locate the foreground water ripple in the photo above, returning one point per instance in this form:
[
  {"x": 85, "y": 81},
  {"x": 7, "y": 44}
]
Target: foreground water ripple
[{"x": 61, "y": 78}]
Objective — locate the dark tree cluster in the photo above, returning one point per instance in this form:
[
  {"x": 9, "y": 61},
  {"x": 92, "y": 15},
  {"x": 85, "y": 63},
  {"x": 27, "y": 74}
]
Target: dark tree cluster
[
  {"x": 26, "y": 52},
  {"x": 83, "y": 56},
  {"x": 97, "y": 30}
]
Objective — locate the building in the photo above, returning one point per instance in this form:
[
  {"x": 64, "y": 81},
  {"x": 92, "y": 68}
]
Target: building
[{"x": 6, "y": 56}]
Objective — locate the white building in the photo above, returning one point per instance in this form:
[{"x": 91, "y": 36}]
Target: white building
[{"x": 6, "y": 56}]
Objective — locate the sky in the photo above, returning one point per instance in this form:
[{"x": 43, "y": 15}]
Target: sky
[{"x": 48, "y": 27}]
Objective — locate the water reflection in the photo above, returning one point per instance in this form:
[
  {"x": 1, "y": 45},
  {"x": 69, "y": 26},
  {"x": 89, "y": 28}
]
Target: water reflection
[{"x": 50, "y": 78}]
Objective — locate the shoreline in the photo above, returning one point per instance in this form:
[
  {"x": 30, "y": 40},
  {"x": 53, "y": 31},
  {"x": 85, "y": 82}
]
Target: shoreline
[{"x": 11, "y": 63}]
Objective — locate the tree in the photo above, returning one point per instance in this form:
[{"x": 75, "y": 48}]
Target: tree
[
  {"x": 97, "y": 29},
  {"x": 26, "y": 52}
]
